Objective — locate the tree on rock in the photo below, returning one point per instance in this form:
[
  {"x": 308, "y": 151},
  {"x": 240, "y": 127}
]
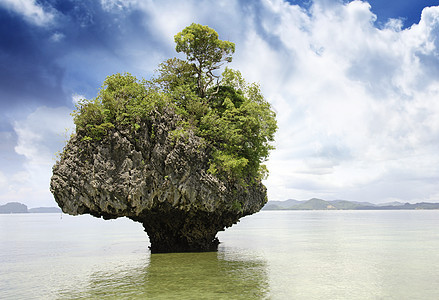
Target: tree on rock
[
  {"x": 182, "y": 153},
  {"x": 205, "y": 51}
]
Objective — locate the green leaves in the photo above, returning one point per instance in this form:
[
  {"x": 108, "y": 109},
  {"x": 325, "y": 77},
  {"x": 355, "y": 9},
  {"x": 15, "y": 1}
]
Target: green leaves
[
  {"x": 202, "y": 46},
  {"x": 205, "y": 51},
  {"x": 232, "y": 117},
  {"x": 122, "y": 100},
  {"x": 240, "y": 127}
]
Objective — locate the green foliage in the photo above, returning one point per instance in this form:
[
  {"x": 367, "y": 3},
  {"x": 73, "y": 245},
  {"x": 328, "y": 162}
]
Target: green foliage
[
  {"x": 240, "y": 130},
  {"x": 177, "y": 76},
  {"x": 98, "y": 131},
  {"x": 236, "y": 206},
  {"x": 180, "y": 133},
  {"x": 205, "y": 51},
  {"x": 87, "y": 139},
  {"x": 232, "y": 117},
  {"x": 123, "y": 99},
  {"x": 202, "y": 46}
]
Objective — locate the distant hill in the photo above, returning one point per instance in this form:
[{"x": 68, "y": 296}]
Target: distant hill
[
  {"x": 13, "y": 208},
  {"x": 276, "y": 205},
  {"x": 422, "y": 205},
  {"x": 314, "y": 204},
  {"x": 19, "y": 208},
  {"x": 319, "y": 204},
  {"x": 394, "y": 203},
  {"x": 44, "y": 210}
]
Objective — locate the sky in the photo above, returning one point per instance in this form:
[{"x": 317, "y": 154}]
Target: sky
[{"x": 355, "y": 85}]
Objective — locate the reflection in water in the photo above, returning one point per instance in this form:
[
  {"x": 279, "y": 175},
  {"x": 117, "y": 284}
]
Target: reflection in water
[{"x": 211, "y": 275}]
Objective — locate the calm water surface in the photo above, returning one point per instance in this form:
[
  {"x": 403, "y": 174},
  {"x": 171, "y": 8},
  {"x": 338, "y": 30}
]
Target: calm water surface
[{"x": 270, "y": 255}]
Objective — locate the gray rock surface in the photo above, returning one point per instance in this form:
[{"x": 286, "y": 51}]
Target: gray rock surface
[{"x": 152, "y": 177}]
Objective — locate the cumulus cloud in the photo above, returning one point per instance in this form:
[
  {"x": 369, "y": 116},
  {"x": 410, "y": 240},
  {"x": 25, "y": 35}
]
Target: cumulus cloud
[
  {"x": 167, "y": 18},
  {"x": 40, "y": 135},
  {"x": 30, "y": 10},
  {"x": 357, "y": 106}
]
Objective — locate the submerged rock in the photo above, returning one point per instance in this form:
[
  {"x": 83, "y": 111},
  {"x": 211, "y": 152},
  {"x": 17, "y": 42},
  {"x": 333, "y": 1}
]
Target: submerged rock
[{"x": 157, "y": 177}]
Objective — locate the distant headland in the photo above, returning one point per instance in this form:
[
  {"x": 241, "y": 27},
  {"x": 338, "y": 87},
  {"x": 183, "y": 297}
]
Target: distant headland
[
  {"x": 319, "y": 204},
  {"x": 19, "y": 208}
]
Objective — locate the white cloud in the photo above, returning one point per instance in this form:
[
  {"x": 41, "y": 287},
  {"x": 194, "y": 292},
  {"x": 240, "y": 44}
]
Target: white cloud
[
  {"x": 394, "y": 24},
  {"x": 40, "y": 136},
  {"x": 164, "y": 19},
  {"x": 355, "y": 120},
  {"x": 30, "y": 10},
  {"x": 41, "y": 133}
]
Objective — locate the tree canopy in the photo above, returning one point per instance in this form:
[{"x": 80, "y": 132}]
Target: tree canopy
[
  {"x": 231, "y": 115},
  {"x": 205, "y": 51}
]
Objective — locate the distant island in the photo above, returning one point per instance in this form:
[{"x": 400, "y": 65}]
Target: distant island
[
  {"x": 319, "y": 204},
  {"x": 19, "y": 208}
]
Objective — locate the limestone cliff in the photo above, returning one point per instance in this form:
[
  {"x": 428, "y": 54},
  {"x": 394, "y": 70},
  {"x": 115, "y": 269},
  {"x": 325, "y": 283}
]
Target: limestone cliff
[{"x": 158, "y": 178}]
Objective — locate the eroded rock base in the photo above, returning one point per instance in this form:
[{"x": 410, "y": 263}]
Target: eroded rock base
[
  {"x": 181, "y": 231},
  {"x": 173, "y": 244}
]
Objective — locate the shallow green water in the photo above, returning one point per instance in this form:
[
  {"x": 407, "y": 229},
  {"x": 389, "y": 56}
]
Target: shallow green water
[{"x": 270, "y": 255}]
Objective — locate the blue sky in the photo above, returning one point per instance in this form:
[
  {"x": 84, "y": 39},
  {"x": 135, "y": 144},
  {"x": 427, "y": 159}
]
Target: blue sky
[{"x": 355, "y": 85}]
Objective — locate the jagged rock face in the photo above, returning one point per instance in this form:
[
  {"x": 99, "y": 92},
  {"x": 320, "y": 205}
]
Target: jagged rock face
[{"x": 154, "y": 178}]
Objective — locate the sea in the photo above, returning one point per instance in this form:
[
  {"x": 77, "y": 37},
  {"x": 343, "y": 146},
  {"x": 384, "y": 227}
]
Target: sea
[{"x": 268, "y": 255}]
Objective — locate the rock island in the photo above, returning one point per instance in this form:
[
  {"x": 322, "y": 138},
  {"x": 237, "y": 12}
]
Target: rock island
[{"x": 181, "y": 153}]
